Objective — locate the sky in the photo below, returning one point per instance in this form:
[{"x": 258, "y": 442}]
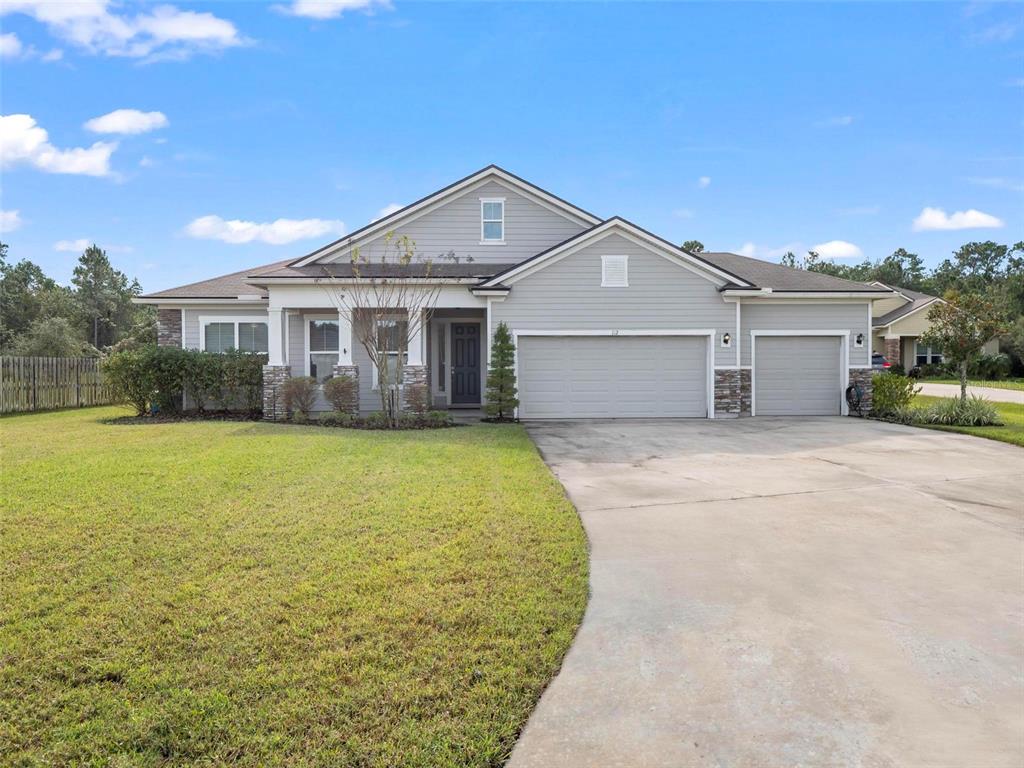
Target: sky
[{"x": 195, "y": 139}]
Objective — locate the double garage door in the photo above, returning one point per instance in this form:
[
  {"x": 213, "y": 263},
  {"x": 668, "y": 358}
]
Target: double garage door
[{"x": 592, "y": 377}]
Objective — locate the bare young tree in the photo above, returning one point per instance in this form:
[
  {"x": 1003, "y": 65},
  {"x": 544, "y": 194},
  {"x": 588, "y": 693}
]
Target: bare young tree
[{"x": 390, "y": 299}]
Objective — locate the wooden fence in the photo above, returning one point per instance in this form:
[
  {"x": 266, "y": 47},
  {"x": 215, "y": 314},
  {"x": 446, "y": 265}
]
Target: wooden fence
[{"x": 42, "y": 383}]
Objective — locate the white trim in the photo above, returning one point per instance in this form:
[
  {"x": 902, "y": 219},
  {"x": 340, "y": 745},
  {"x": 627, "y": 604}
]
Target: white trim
[
  {"x": 275, "y": 336},
  {"x": 844, "y": 362},
  {"x": 626, "y": 230},
  {"x": 782, "y": 296},
  {"x": 871, "y": 332},
  {"x": 205, "y": 320},
  {"x": 739, "y": 335},
  {"x": 305, "y": 337},
  {"x": 708, "y": 334},
  {"x": 897, "y": 291},
  {"x": 930, "y": 355},
  {"x": 439, "y": 198},
  {"x": 604, "y": 270},
  {"x": 484, "y": 240}
]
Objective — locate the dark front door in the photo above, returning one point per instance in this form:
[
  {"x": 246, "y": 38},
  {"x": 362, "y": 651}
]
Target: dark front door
[{"x": 465, "y": 363}]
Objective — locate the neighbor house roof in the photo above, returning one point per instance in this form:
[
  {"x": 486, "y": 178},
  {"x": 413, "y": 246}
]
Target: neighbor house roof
[
  {"x": 782, "y": 279},
  {"x": 916, "y": 301},
  {"x": 224, "y": 287}
]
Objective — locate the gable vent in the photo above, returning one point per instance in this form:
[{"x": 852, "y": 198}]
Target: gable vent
[{"x": 614, "y": 271}]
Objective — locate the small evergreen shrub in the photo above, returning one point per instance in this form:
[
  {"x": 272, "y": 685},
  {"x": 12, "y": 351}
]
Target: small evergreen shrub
[
  {"x": 974, "y": 412},
  {"x": 342, "y": 393},
  {"x": 299, "y": 393},
  {"x": 891, "y": 392},
  {"x": 896, "y": 368},
  {"x": 129, "y": 376},
  {"x": 502, "y": 394},
  {"x": 203, "y": 379},
  {"x": 337, "y": 419},
  {"x": 990, "y": 367},
  {"x": 243, "y": 379}
]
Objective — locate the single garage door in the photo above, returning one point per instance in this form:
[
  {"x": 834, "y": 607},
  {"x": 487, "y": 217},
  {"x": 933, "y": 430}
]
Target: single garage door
[
  {"x": 797, "y": 376},
  {"x": 593, "y": 377}
]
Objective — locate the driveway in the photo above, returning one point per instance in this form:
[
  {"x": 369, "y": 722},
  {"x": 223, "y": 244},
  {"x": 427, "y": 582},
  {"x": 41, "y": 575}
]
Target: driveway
[
  {"x": 989, "y": 393},
  {"x": 781, "y": 592}
]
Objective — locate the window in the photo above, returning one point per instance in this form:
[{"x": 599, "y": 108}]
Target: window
[
  {"x": 492, "y": 220},
  {"x": 614, "y": 272},
  {"x": 323, "y": 348},
  {"x": 926, "y": 355},
  {"x": 392, "y": 333},
  {"x": 244, "y": 334}
]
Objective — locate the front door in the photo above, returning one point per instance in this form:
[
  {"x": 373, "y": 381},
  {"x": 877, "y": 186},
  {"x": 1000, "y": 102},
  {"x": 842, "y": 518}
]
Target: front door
[{"x": 465, "y": 363}]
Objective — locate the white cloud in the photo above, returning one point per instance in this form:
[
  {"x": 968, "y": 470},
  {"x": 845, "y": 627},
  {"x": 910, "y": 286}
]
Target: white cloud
[
  {"x": 278, "y": 232},
  {"x": 72, "y": 246},
  {"x": 747, "y": 249},
  {"x": 765, "y": 252},
  {"x": 23, "y": 141},
  {"x": 704, "y": 182},
  {"x": 838, "y": 249},
  {"x": 683, "y": 213},
  {"x": 1000, "y": 32},
  {"x": 838, "y": 121},
  {"x": 127, "y": 121},
  {"x": 331, "y": 9},
  {"x": 163, "y": 33},
  {"x": 146, "y": 162},
  {"x": 9, "y": 220},
  {"x": 55, "y": 54},
  {"x": 387, "y": 210},
  {"x": 937, "y": 219},
  {"x": 10, "y": 46},
  {"x": 998, "y": 182}
]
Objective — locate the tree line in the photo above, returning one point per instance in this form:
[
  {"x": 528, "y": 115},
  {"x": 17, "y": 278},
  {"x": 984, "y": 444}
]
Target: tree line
[{"x": 40, "y": 317}]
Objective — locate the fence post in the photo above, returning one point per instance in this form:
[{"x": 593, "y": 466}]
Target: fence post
[
  {"x": 33, "y": 365},
  {"x": 78, "y": 383}
]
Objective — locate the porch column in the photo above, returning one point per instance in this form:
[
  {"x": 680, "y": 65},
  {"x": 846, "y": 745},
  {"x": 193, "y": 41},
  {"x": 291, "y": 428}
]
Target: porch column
[
  {"x": 344, "y": 337},
  {"x": 893, "y": 350},
  {"x": 275, "y": 336}
]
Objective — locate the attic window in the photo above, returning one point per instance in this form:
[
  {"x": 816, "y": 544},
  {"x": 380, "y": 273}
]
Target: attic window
[
  {"x": 492, "y": 220},
  {"x": 614, "y": 271}
]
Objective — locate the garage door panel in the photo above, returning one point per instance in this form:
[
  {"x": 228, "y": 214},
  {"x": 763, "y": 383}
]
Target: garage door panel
[
  {"x": 612, "y": 376},
  {"x": 797, "y": 376}
]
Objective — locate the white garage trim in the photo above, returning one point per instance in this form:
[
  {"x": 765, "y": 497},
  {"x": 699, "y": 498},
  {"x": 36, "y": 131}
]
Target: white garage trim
[
  {"x": 709, "y": 334},
  {"x": 844, "y": 362}
]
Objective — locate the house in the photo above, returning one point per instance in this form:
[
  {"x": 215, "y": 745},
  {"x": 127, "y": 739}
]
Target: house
[
  {"x": 609, "y": 320},
  {"x": 899, "y": 322}
]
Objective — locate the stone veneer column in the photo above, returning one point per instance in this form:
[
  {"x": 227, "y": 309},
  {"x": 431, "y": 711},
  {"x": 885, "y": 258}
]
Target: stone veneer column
[
  {"x": 412, "y": 375},
  {"x": 864, "y": 377},
  {"x": 168, "y": 327},
  {"x": 274, "y": 376},
  {"x": 727, "y": 393},
  {"x": 745, "y": 392},
  {"x": 352, "y": 371},
  {"x": 892, "y": 350}
]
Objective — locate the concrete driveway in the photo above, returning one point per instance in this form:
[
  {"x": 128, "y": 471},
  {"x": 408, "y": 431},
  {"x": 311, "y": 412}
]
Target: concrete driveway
[{"x": 781, "y": 592}]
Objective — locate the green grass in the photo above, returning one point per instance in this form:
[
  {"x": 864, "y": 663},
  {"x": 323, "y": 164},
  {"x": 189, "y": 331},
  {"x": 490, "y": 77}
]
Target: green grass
[
  {"x": 253, "y": 594},
  {"x": 1017, "y": 384},
  {"x": 1012, "y": 415}
]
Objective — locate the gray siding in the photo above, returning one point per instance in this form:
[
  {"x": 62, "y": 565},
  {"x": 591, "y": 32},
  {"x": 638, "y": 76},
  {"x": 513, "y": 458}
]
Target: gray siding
[
  {"x": 455, "y": 226},
  {"x": 804, "y": 316},
  {"x": 567, "y": 295}
]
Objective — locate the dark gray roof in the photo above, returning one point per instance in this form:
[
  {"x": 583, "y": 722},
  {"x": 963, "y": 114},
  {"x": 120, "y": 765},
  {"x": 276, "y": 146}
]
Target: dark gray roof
[
  {"x": 476, "y": 270},
  {"x": 224, "y": 287},
  {"x": 780, "y": 278},
  {"x": 917, "y": 300}
]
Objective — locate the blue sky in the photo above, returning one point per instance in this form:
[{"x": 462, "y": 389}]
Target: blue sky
[{"x": 752, "y": 127}]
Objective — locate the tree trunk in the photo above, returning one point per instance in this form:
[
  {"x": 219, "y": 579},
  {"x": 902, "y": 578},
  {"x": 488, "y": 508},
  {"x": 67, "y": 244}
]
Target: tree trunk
[{"x": 963, "y": 382}]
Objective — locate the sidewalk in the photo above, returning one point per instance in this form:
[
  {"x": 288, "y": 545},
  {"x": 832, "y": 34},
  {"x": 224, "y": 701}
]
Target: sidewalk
[{"x": 989, "y": 393}]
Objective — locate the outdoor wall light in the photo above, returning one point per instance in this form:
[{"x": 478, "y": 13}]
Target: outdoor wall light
[
  {"x": 859, "y": 341},
  {"x": 726, "y": 340}
]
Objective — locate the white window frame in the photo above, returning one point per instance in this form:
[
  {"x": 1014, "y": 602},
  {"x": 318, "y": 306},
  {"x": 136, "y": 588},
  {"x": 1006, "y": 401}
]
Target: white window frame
[
  {"x": 484, "y": 240},
  {"x": 393, "y": 316},
  {"x": 205, "y": 320},
  {"x": 930, "y": 356},
  {"x": 307, "y": 366},
  {"x": 625, "y": 271}
]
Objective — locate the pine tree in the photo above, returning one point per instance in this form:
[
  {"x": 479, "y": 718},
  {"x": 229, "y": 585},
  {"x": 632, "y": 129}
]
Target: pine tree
[{"x": 501, "y": 378}]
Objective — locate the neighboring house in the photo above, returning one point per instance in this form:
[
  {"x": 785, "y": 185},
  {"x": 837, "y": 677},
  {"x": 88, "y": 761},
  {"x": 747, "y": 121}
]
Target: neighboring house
[
  {"x": 898, "y": 323},
  {"x": 609, "y": 320}
]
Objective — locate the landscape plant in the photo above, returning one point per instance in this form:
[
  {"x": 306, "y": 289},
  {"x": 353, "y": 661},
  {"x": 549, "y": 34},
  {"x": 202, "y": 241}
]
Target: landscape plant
[
  {"x": 129, "y": 376},
  {"x": 502, "y": 394},
  {"x": 342, "y": 393},
  {"x": 892, "y": 393},
  {"x": 203, "y": 379},
  {"x": 299, "y": 393}
]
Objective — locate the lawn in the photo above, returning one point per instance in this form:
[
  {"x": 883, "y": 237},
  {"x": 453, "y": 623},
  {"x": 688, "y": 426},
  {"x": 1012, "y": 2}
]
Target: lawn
[
  {"x": 256, "y": 594},
  {"x": 1011, "y": 413},
  {"x": 1017, "y": 384}
]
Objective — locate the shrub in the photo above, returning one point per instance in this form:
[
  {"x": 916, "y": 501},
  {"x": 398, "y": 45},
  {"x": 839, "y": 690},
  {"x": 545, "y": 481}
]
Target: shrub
[
  {"x": 974, "y": 412},
  {"x": 243, "y": 379},
  {"x": 342, "y": 393},
  {"x": 204, "y": 378},
  {"x": 299, "y": 394},
  {"x": 934, "y": 371},
  {"x": 337, "y": 419},
  {"x": 417, "y": 398},
  {"x": 167, "y": 367},
  {"x": 502, "y": 394},
  {"x": 896, "y": 368},
  {"x": 891, "y": 392},
  {"x": 129, "y": 376},
  {"x": 990, "y": 367}
]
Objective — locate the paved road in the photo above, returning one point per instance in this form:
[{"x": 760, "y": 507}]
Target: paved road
[
  {"x": 989, "y": 393},
  {"x": 778, "y": 592}
]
